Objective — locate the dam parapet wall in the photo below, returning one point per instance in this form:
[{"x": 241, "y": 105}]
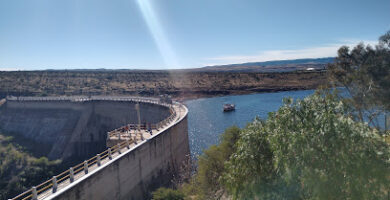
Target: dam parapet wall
[{"x": 128, "y": 170}]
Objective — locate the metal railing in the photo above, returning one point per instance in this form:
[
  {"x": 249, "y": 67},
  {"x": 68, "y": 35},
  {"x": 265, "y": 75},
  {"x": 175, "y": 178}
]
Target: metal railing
[
  {"x": 144, "y": 126},
  {"x": 76, "y": 172},
  {"x": 73, "y": 173}
]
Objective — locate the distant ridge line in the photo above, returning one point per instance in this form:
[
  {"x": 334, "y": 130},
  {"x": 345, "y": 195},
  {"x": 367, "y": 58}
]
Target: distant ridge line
[
  {"x": 325, "y": 60},
  {"x": 264, "y": 66}
]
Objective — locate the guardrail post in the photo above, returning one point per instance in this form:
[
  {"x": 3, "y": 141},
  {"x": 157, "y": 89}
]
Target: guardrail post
[
  {"x": 71, "y": 174},
  {"x": 85, "y": 167},
  {"x": 109, "y": 154},
  {"x": 54, "y": 184},
  {"x": 34, "y": 193},
  {"x": 98, "y": 159},
  {"x": 119, "y": 148},
  {"x": 128, "y": 144}
]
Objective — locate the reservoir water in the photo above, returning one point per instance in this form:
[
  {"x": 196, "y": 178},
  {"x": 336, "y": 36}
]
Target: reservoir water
[{"x": 206, "y": 121}]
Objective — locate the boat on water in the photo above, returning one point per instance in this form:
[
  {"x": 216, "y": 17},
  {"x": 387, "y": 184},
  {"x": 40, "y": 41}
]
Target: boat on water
[{"x": 229, "y": 107}]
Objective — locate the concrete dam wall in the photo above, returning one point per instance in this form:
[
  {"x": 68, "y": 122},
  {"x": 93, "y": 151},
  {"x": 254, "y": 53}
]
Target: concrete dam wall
[
  {"x": 131, "y": 169},
  {"x": 73, "y": 130},
  {"x": 135, "y": 173}
]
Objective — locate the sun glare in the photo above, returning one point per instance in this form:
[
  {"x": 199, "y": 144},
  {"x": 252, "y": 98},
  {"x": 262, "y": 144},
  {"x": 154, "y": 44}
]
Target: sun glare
[{"x": 158, "y": 34}]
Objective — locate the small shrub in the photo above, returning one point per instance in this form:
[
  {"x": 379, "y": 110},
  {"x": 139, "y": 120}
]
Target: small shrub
[{"x": 167, "y": 194}]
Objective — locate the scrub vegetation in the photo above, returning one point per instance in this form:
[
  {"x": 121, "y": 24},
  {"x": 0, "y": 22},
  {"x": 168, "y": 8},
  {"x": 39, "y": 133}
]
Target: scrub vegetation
[
  {"x": 325, "y": 146},
  {"x": 19, "y": 170},
  {"x": 185, "y": 84},
  {"x": 308, "y": 149}
]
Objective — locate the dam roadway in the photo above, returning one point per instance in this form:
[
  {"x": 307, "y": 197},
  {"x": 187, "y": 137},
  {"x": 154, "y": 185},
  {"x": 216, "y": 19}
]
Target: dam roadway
[{"x": 131, "y": 167}]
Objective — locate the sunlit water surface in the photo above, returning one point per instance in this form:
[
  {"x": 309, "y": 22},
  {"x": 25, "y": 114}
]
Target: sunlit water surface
[{"x": 206, "y": 121}]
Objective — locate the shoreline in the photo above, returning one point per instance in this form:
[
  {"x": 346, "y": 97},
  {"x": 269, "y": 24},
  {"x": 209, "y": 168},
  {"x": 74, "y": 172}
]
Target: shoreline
[
  {"x": 184, "y": 98},
  {"x": 179, "y": 85},
  {"x": 187, "y": 96}
]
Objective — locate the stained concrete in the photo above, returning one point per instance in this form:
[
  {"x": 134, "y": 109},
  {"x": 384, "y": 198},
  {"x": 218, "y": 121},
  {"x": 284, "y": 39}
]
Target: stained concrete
[
  {"x": 73, "y": 129},
  {"x": 138, "y": 172}
]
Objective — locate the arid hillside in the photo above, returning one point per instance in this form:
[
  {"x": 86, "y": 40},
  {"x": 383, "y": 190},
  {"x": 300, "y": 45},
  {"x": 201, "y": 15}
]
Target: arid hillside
[
  {"x": 180, "y": 84},
  {"x": 273, "y": 66}
]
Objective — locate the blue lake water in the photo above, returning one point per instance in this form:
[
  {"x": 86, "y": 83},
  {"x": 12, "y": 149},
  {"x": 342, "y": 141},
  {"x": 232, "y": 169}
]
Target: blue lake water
[{"x": 206, "y": 121}]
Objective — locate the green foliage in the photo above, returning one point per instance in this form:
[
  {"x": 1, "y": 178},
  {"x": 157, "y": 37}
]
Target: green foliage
[
  {"x": 206, "y": 184},
  {"x": 309, "y": 149},
  {"x": 365, "y": 73},
  {"x": 249, "y": 170},
  {"x": 167, "y": 194},
  {"x": 20, "y": 171},
  {"x": 211, "y": 166}
]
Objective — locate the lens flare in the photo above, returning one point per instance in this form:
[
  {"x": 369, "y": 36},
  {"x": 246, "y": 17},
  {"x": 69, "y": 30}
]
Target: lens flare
[{"x": 157, "y": 32}]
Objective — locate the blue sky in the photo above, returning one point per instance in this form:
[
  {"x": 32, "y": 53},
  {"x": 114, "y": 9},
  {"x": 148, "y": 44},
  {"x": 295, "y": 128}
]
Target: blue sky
[{"x": 160, "y": 34}]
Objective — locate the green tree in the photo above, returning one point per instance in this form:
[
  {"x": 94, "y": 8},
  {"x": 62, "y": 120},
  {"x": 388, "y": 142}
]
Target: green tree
[
  {"x": 211, "y": 164},
  {"x": 206, "y": 183},
  {"x": 19, "y": 171},
  {"x": 309, "y": 149},
  {"x": 250, "y": 168},
  {"x": 365, "y": 73}
]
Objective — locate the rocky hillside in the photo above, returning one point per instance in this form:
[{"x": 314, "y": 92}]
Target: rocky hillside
[
  {"x": 150, "y": 83},
  {"x": 274, "y": 66}
]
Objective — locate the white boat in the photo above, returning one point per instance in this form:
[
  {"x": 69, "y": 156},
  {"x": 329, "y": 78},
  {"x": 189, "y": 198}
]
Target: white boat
[{"x": 228, "y": 107}]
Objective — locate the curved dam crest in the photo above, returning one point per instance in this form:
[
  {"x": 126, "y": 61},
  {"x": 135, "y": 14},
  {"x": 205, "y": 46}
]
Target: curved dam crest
[{"x": 129, "y": 171}]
